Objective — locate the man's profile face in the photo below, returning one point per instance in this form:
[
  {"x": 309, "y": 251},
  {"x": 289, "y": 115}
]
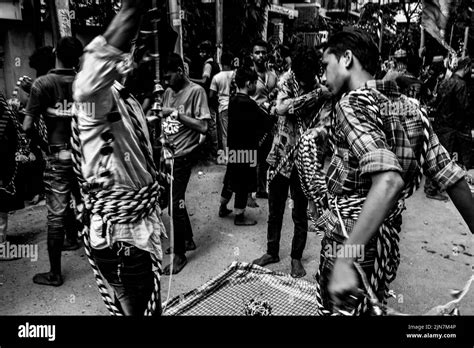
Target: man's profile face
[
  {"x": 173, "y": 79},
  {"x": 259, "y": 55},
  {"x": 335, "y": 73}
]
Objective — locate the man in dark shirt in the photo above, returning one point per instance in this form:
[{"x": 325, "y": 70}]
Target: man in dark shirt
[
  {"x": 248, "y": 123},
  {"x": 452, "y": 116},
  {"x": 51, "y": 97}
]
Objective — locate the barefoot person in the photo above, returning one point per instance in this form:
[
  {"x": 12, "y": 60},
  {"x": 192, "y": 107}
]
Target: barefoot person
[{"x": 297, "y": 104}]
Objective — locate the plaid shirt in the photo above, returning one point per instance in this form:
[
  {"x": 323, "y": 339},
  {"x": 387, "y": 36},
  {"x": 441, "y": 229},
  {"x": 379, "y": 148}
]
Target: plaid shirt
[
  {"x": 377, "y": 129},
  {"x": 294, "y": 110}
]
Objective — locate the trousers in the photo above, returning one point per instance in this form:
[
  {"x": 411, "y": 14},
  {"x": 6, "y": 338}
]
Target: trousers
[
  {"x": 129, "y": 272},
  {"x": 277, "y": 197}
]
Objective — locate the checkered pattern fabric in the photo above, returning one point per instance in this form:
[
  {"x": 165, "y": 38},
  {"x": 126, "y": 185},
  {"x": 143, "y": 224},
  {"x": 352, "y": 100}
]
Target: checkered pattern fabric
[
  {"x": 377, "y": 129},
  {"x": 295, "y": 111},
  {"x": 228, "y": 293}
]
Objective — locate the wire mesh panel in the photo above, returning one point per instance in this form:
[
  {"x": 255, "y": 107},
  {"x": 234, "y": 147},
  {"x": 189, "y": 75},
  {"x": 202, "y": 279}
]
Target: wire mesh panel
[{"x": 231, "y": 291}]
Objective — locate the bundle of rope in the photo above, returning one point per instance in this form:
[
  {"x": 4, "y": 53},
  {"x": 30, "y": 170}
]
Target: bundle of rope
[
  {"x": 22, "y": 153},
  {"x": 117, "y": 206},
  {"x": 25, "y": 83}
]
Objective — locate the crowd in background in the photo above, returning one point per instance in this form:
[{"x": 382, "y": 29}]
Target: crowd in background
[{"x": 260, "y": 101}]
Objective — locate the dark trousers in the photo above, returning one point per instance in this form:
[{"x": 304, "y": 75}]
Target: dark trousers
[
  {"x": 182, "y": 225},
  {"x": 61, "y": 187},
  {"x": 458, "y": 144},
  {"x": 277, "y": 198},
  {"x": 240, "y": 201},
  {"x": 262, "y": 165},
  {"x": 129, "y": 272}
]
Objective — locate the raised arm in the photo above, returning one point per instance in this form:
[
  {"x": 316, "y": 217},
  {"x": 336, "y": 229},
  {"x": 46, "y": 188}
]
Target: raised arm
[{"x": 104, "y": 54}]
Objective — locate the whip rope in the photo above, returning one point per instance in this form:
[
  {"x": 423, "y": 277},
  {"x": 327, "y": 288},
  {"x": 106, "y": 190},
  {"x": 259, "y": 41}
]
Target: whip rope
[
  {"x": 117, "y": 206},
  {"x": 10, "y": 188}
]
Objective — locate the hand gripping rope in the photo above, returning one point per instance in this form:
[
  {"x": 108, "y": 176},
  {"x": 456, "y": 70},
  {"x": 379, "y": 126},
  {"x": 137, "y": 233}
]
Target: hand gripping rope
[{"x": 117, "y": 206}]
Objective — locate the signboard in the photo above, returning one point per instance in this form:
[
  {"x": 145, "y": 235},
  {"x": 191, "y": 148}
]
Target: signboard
[
  {"x": 323, "y": 36},
  {"x": 290, "y": 13},
  {"x": 10, "y": 10}
]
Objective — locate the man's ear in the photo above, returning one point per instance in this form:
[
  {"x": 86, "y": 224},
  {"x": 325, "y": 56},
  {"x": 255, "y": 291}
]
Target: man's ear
[{"x": 348, "y": 59}]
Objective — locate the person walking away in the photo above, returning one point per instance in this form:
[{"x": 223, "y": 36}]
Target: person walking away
[{"x": 247, "y": 124}]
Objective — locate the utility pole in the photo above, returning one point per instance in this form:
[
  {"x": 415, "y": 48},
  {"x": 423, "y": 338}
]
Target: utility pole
[
  {"x": 466, "y": 38},
  {"x": 265, "y": 25},
  {"x": 176, "y": 23},
  {"x": 54, "y": 21},
  {"x": 219, "y": 29}
]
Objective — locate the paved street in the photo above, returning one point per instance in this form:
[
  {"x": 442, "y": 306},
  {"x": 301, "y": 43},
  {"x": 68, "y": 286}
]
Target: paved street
[{"x": 436, "y": 255}]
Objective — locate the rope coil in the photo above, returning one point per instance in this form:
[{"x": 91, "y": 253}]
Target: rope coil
[{"x": 117, "y": 206}]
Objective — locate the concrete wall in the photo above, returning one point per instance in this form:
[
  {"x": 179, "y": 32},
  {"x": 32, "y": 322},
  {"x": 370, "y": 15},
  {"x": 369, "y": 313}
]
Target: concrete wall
[{"x": 18, "y": 44}]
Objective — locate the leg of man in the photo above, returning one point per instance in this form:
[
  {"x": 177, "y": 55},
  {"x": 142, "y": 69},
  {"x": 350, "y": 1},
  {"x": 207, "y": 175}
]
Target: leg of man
[
  {"x": 277, "y": 196},
  {"x": 211, "y": 139},
  {"x": 219, "y": 130},
  {"x": 300, "y": 219},
  {"x": 262, "y": 166},
  {"x": 239, "y": 208},
  {"x": 182, "y": 227},
  {"x": 58, "y": 178},
  {"x": 224, "y": 121},
  {"x": 226, "y": 195},
  {"x": 447, "y": 138},
  {"x": 464, "y": 148},
  {"x": 130, "y": 274},
  {"x": 276, "y": 205}
]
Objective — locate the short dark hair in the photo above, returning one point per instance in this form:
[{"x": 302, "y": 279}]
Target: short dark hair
[
  {"x": 205, "y": 46},
  {"x": 68, "y": 51},
  {"x": 259, "y": 42},
  {"x": 360, "y": 43},
  {"x": 42, "y": 60},
  {"x": 306, "y": 63},
  {"x": 226, "y": 58},
  {"x": 243, "y": 75},
  {"x": 174, "y": 62}
]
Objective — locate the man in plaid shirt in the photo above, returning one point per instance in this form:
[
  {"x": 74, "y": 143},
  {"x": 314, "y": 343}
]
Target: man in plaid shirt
[
  {"x": 380, "y": 139},
  {"x": 298, "y": 101}
]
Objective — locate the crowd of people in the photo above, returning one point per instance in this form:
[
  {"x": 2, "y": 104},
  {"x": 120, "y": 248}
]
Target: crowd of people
[{"x": 369, "y": 139}]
